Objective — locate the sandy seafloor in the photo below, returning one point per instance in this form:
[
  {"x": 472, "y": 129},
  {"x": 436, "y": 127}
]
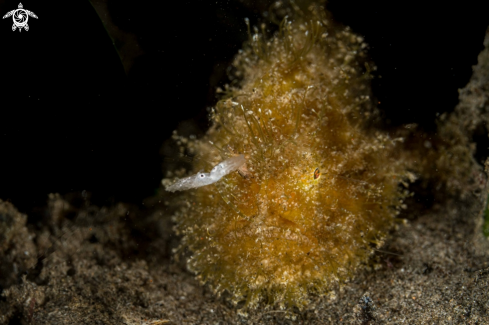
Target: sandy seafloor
[
  {"x": 97, "y": 265},
  {"x": 98, "y": 273}
]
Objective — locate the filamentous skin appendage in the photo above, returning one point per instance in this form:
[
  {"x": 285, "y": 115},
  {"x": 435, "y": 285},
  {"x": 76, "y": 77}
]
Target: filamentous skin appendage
[{"x": 318, "y": 191}]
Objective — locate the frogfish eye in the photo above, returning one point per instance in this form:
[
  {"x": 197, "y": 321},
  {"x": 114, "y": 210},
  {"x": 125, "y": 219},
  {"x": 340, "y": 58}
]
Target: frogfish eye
[{"x": 317, "y": 173}]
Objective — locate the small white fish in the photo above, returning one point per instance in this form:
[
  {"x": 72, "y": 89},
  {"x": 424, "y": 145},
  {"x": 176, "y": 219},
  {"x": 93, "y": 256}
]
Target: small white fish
[{"x": 201, "y": 179}]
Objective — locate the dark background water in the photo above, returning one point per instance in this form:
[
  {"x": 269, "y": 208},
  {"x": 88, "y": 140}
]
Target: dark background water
[{"x": 73, "y": 119}]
